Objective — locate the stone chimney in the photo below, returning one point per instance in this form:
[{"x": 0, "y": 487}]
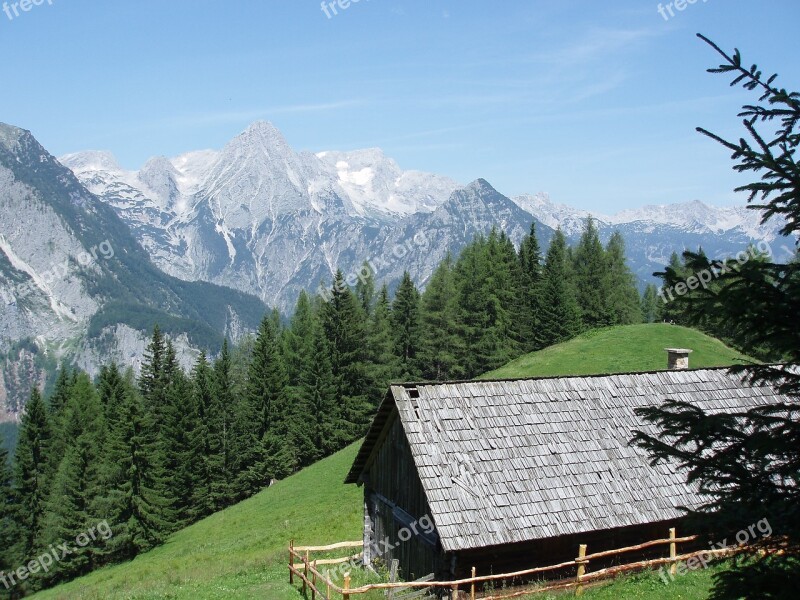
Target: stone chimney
[{"x": 678, "y": 359}]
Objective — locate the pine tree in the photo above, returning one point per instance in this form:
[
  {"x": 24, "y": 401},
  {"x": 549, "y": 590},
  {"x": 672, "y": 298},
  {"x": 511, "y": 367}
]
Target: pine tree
[
  {"x": 76, "y": 482},
  {"x": 623, "y": 299},
  {"x": 672, "y": 307},
  {"x": 264, "y": 416},
  {"x": 591, "y": 277},
  {"x": 133, "y": 504},
  {"x": 110, "y": 388},
  {"x": 221, "y": 430},
  {"x": 405, "y": 319},
  {"x": 58, "y": 399},
  {"x": 561, "y": 318},
  {"x": 383, "y": 366},
  {"x": 502, "y": 341},
  {"x": 172, "y": 469},
  {"x": 440, "y": 341},
  {"x": 32, "y": 476},
  {"x": 530, "y": 263},
  {"x": 487, "y": 282},
  {"x": 322, "y": 433},
  {"x": 297, "y": 339},
  {"x": 651, "y": 304},
  {"x": 471, "y": 276},
  {"x": 365, "y": 289},
  {"x": 56, "y": 406},
  {"x": 202, "y": 445},
  {"x": 7, "y": 513},
  {"x": 342, "y": 321},
  {"x": 151, "y": 380}
]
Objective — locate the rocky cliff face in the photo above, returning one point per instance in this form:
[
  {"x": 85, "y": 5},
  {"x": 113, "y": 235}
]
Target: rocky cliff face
[{"x": 76, "y": 285}]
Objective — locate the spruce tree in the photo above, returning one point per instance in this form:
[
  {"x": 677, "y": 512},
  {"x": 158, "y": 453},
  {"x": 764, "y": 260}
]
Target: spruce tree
[
  {"x": 561, "y": 317},
  {"x": 221, "y": 422},
  {"x": 297, "y": 339},
  {"x": 747, "y": 461},
  {"x": 133, "y": 505},
  {"x": 530, "y": 263},
  {"x": 173, "y": 470},
  {"x": 471, "y": 274},
  {"x": 440, "y": 341},
  {"x": 623, "y": 299},
  {"x": 56, "y": 406},
  {"x": 405, "y": 319},
  {"x": 151, "y": 380},
  {"x": 365, "y": 289},
  {"x": 592, "y": 279},
  {"x": 58, "y": 399},
  {"x": 264, "y": 429},
  {"x": 322, "y": 433},
  {"x": 7, "y": 513},
  {"x": 651, "y": 304},
  {"x": 110, "y": 388},
  {"x": 202, "y": 444},
  {"x": 502, "y": 340},
  {"x": 77, "y": 480},
  {"x": 342, "y": 321},
  {"x": 32, "y": 476},
  {"x": 383, "y": 365}
]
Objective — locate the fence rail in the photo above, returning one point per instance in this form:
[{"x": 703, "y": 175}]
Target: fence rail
[{"x": 312, "y": 579}]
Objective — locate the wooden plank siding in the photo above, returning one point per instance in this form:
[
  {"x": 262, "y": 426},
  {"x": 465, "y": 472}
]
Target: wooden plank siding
[{"x": 392, "y": 484}]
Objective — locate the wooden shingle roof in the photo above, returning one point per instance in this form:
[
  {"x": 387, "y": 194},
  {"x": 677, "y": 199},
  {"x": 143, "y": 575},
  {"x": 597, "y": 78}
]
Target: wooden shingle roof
[{"x": 519, "y": 460}]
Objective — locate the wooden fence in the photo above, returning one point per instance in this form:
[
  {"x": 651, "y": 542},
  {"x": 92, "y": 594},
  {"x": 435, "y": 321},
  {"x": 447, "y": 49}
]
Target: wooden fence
[{"x": 306, "y": 568}]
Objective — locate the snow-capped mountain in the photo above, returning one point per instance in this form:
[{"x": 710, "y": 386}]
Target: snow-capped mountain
[
  {"x": 653, "y": 233},
  {"x": 259, "y": 217},
  {"x": 75, "y": 284},
  {"x": 262, "y": 218}
]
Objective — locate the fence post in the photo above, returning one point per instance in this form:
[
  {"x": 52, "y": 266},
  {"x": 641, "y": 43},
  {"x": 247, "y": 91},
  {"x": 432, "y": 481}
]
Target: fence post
[
  {"x": 472, "y": 586},
  {"x": 346, "y": 588},
  {"x": 673, "y": 552},
  {"x": 328, "y": 585},
  {"x": 454, "y": 592},
  {"x": 581, "y": 560},
  {"x": 305, "y": 572},
  {"x": 314, "y": 581},
  {"x": 291, "y": 561}
]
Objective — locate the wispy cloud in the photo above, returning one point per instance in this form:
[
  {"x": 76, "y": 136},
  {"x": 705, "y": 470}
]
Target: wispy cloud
[
  {"x": 236, "y": 116},
  {"x": 596, "y": 45}
]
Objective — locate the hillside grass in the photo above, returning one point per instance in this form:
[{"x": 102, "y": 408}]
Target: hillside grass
[
  {"x": 241, "y": 552},
  {"x": 621, "y": 349}
]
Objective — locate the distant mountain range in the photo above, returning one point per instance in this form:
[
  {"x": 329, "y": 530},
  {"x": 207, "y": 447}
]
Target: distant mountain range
[
  {"x": 91, "y": 255},
  {"x": 259, "y": 217}
]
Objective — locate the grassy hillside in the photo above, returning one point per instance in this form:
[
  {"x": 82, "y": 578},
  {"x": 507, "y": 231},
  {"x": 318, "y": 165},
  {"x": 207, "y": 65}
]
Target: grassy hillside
[
  {"x": 241, "y": 552},
  {"x": 620, "y": 350}
]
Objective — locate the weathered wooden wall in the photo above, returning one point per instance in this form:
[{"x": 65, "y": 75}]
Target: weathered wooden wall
[{"x": 394, "y": 499}]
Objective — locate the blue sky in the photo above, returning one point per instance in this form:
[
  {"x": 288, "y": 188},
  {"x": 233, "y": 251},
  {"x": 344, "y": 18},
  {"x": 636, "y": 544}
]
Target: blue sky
[{"x": 592, "y": 102}]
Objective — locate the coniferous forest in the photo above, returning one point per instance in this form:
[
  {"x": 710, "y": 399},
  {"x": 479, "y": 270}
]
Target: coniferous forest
[{"x": 152, "y": 453}]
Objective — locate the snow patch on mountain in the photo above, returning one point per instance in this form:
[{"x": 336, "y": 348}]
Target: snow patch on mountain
[{"x": 692, "y": 217}]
